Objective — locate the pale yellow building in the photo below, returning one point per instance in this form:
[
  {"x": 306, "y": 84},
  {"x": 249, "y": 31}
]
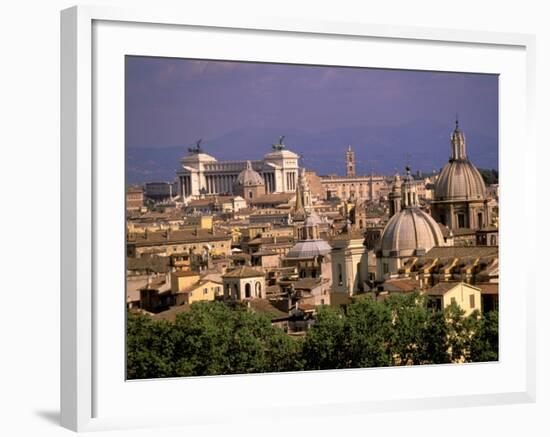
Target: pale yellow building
[
  {"x": 183, "y": 279},
  {"x": 198, "y": 221},
  {"x": 465, "y": 295},
  {"x": 349, "y": 263},
  {"x": 182, "y": 241},
  {"x": 204, "y": 290}
]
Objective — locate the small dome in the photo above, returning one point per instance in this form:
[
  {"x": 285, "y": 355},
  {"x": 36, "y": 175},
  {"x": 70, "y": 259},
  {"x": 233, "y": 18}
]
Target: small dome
[
  {"x": 460, "y": 180},
  {"x": 249, "y": 177},
  {"x": 309, "y": 249},
  {"x": 410, "y": 232}
]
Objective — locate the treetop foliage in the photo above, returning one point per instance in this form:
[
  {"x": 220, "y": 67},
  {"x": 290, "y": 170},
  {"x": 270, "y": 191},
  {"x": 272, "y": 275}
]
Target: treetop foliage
[{"x": 215, "y": 339}]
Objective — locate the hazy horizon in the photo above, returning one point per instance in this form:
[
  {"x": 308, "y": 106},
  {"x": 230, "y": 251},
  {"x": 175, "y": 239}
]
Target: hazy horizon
[{"x": 238, "y": 109}]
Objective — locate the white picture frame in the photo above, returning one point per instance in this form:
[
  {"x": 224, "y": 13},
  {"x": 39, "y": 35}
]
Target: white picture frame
[{"x": 84, "y": 381}]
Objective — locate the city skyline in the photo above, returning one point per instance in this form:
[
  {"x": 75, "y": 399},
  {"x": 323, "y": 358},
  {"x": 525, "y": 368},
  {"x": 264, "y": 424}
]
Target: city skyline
[
  {"x": 286, "y": 230},
  {"x": 241, "y": 108}
]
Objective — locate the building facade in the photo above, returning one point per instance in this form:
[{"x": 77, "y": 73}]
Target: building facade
[
  {"x": 201, "y": 173},
  {"x": 244, "y": 283},
  {"x": 364, "y": 188},
  {"x": 134, "y": 199}
]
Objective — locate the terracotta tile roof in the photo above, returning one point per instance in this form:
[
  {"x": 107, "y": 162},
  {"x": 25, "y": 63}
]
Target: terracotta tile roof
[
  {"x": 273, "y": 289},
  {"x": 264, "y": 306},
  {"x": 460, "y": 252},
  {"x": 441, "y": 288},
  {"x": 488, "y": 287},
  {"x": 181, "y": 236},
  {"x": 405, "y": 284},
  {"x": 185, "y": 273},
  {"x": 240, "y": 255},
  {"x": 171, "y": 313},
  {"x": 157, "y": 264},
  {"x": 272, "y": 198},
  {"x": 308, "y": 283},
  {"x": 243, "y": 272}
]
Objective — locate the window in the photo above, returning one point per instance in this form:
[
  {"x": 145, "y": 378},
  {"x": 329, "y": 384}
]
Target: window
[
  {"x": 258, "y": 289},
  {"x": 461, "y": 221},
  {"x": 453, "y": 300},
  {"x": 472, "y": 301},
  {"x": 479, "y": 220},
  {"x": 205, "y": 291},
  {"x": 340, "y": 281},
  {"x": 247, "y": 291}
]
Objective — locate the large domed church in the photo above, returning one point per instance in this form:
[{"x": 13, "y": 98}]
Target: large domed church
[
  {"x": 460, "y": 198},
  {"x": 410, "y": 232}
]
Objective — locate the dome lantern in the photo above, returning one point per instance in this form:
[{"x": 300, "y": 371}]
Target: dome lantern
[
  {"x": 458, "y": 144},
  {"x": 409, "y": 194}
]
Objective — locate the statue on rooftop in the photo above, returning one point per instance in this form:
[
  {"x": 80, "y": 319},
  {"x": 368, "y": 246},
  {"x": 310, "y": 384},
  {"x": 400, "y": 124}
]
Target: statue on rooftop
[
  {"x": 279, "y": 145},
  {"x": 197, "y": 149}
]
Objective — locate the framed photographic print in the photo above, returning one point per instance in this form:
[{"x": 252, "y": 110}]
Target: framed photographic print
[{"x": 291, "y": 218}]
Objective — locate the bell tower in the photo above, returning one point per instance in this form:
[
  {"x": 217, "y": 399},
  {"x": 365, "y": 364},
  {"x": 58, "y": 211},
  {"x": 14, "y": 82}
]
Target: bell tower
[{"x": 350, "y": 162}]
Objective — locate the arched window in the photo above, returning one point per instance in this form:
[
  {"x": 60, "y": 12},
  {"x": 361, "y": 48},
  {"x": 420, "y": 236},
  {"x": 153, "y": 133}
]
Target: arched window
[
  {"x": 258, "y": 289},
  {"x": 479, "y": 220},
  {"x": 340, "y": 278},
  {"x": 247, "y": 292}
]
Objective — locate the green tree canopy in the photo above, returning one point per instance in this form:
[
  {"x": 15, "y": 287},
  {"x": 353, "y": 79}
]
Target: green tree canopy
[{"x": 213, "y": 338}]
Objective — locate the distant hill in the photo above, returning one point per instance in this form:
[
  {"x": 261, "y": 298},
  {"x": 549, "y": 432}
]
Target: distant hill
[{"x": 382, "y": 149}]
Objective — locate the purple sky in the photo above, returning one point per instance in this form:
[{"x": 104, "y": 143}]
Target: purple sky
[{"x": 173, "y": 102}]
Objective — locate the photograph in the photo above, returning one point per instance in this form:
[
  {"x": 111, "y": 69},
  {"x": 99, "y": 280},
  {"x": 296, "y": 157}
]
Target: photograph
[{"x": 293, "y": 218}]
